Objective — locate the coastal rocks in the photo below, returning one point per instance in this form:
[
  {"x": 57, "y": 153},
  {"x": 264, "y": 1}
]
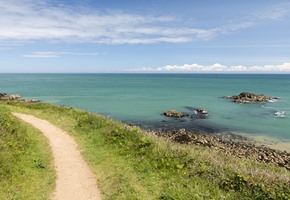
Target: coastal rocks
[
  {"x": 15, "y": 97},
  {"x": 230, "y": 144},
  {"x": 7, "y": 97},
  {"x": 246, "y": 97},
  {"x": 197, "y": 113},
  {"x": 174, "y": 113},
  {"x": 201, "y": 111}
]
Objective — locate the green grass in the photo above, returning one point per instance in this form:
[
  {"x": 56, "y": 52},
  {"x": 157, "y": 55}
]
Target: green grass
[
  {"x": 26, "y": 170},
  {"x": 131, "y": 164}
]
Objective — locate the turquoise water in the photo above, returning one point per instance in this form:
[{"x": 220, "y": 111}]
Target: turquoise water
[{"x": 142, "y": 98}]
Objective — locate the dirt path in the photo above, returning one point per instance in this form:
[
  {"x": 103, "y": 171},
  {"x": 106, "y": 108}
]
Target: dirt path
[{"x": 74, "y": 181}]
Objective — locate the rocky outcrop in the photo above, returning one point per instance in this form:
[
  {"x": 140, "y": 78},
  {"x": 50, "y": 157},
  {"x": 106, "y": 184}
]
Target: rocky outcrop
[
  {"x": 246, "y": 97},
  {"x": 201, "y": 111},
  {"x": 230, "y": 144},
  {"x": 7, "y": 97},
  {"x": 174, "y": 113},
  {"x": 15, "y": 97},
  {"x": 198, "y": 113}
]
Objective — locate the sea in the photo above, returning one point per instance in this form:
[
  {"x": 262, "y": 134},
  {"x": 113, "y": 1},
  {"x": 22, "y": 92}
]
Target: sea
[{"x": 141, "y": 99}]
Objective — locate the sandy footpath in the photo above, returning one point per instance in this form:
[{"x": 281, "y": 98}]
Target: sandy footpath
[{"x": 75, "y": 181}]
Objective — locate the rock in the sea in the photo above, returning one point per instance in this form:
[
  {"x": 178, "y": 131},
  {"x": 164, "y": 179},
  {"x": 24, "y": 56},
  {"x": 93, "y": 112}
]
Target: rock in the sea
[
  {"x": 246, "y": 97},
  {"x": 174, "y": 113},
  {"x": 201, "y": 111}
]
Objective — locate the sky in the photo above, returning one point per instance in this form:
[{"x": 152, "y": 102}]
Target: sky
[{"x": 144, "y": 36}]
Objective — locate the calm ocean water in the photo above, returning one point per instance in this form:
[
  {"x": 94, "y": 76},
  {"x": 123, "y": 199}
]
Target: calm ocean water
[{"x": 142, "y": 98}]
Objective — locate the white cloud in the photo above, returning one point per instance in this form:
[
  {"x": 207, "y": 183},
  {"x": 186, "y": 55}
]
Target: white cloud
[
  {"x": 30, "y": 21},
  {"x": 272, "y": 13},
  {"x": 42, "y": 55},
  {"x": 285, "y": 67},
  {"x": 51, "y": 54},
  {"x": 33, "y": 21}
]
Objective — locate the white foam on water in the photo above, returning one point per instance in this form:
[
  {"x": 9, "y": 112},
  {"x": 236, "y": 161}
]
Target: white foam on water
[
  {"x": 280, "y": 114},
  {"x": 277, "y": 112},
  {"x": 267, "y": 107},
  {"x": 273, "y": 100}
]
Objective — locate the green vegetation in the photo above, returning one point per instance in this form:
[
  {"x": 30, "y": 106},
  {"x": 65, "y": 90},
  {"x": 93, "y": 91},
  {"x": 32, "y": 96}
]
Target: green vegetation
[
  {"x": 26, "y": 170},
  {"x": 131, "y": 164}
]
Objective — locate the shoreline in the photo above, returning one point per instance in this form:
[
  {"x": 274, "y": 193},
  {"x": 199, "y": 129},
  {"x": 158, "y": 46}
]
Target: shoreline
[
  {"x": 230, "y": 143},
  {"x": 257, "y": 139},
  {"x": 272, "y": 143}
]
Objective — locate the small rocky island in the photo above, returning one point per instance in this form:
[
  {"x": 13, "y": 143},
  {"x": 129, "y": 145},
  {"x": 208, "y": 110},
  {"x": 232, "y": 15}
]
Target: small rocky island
[
  {"x": 247, "y": 97},
  {"x": 197, "y": 113},
  {"x": 174, "y": 113}
]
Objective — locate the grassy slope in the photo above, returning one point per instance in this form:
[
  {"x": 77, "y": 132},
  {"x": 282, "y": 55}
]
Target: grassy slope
[
  {"x": 26, "y": 170},
  {"x": 131, "y": 165}
]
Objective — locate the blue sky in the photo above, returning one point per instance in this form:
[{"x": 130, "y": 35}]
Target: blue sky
[{"x": 138, "y": 36}]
